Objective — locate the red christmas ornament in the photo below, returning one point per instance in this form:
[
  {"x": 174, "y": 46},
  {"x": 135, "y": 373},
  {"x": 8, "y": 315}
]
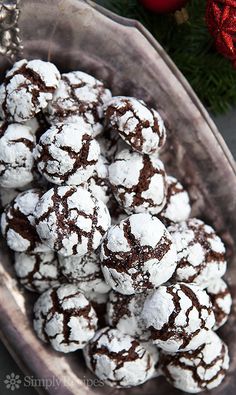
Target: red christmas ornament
[
  {"x": 221, "y": 22},
  {"x": 163, "y": 6}
]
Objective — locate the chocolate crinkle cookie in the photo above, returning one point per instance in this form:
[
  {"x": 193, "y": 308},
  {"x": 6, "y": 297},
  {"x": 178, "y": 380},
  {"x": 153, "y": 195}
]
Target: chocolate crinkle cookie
[
  {"x": 137, "y": 254},
  {"x": 79, "y": 95},
  {"x": 221, "y": 300},
  {"x": 71, "y": 221},
  {"x": 200, "y": 252},
  {"x": 138, "y": 182},
  {"x": 17, "y": 143},
  {"x": 177, "y": 207},
  {"x": 179, "y": 317},
  {"x": 85, "y": 272},
  {"x": 27, "y": 89},
  {"x": 124, "y": 313},
  {"x": 138, "y": 125},
  {"x": 118, "y": 359},
  {"x": 98, "y": 184},
  {"x": 67, "y": 154},
  {"x": 18, "y": 223},
  {"x": 37, "y": 271},
  {"x": 199, "y": 370},
  {"x": 64, "y": 317}
]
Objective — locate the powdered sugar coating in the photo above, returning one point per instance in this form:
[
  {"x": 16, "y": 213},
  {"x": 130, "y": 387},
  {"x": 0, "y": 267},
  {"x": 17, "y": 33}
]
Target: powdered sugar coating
[
  {"x": 118, "y": 359},
  {"x": 37, "y": 271},
  {"x": 196, "y": 371},
  {"x": 79, "y": 96},
  {"x": 85, "y": 272},
  {"x": 201, "y": 253},
  {"x": 221, "y": 301},
  {"x": 137, "y": 254},
  {"x": 64, "y": 317},
  {"x": 27, "y": 89},
  {"x": 138, "y": 182},
  {"x": 67, "y": 154},
  {"x": 179, "y": 317},
  {"x": 98, "y": 183},
  {"x": 16, "y": 155},
  {"x": 124, "y": 313},
  {"x": 71, "y": 221},
  {"x": 140, "y": 126},
  {"x": 18, "y": 223},
  {"x": 177, "y": 207}
]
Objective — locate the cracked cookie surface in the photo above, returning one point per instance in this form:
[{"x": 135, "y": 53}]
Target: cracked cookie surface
[
  {"x": 179, "y": 317},
  {"x": 17, "y": 143},
  {"x": 71, "y": 221},
  {"x": 79, "y": 96},
  {"x": 137, "y": 254},
  {"x": 118, "y": 359},
  {"x": 200, "y": 252},
  {"x": 27, "y": 89},
  {"x": 199, "y": 370},
  {"x": 138, "y": 182},
  {"x": 65, "y": 318},
  {"x": 138, "y": 125},
  {"x": 67, "y": 154}
]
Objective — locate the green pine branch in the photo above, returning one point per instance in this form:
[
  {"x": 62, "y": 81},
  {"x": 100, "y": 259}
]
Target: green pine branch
[{"x": 192, "y": 49}]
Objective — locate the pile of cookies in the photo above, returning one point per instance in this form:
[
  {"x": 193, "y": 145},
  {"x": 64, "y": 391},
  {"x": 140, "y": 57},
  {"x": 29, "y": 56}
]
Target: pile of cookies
[{"x": 104, "y": 235}]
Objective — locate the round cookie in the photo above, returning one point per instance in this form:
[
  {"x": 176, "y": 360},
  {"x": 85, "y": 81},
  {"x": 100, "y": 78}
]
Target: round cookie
[
  {"x": 177, "y": 207},
  {"x": 65, "y": 318},
  {"x": 221, "y": 300},
  {"x": 179, "y": 317},
  {"x": 137, "y": 255},
  {"x": 71, "y": 221},
  {"x": 37, "y": 271},
  {"x": 118, "y": 359},
  {"x": 124, "y": 313},
  {"x": 67, "y": 154},
  {"x": 199, "y": 370},
  {"x": 27, "y": 89},
  {"x": 18, "y": 223},
  {"x": 79, "y": 95},
  {"x": 16, "y": 155},
  {"x": 201, "y": 253},
  {"x": 85, "y": 272},
  {"x": 138, "y": 125},
  {"x": 98, "y": 183},
  {"x": 138, "y": 182}
]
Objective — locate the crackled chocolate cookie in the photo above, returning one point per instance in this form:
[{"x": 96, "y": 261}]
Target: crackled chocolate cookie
[
  {"x": 37, "y": 271},
  {"x": 124, "y": 313},
  {"x": 118, "y": 359},
  {"x": 16, "y": 155},
  {"x": 221, "y": 301},
  {"x": 179, "y": 317},
  {"x": 85, "y": 272},
  {"x": 67, "y": 154},
  {"x": 27, "y": 89},
  {"x": 140, "y": 126},
  {"x": 201, "y": 253},
  {"x": 99, "y": 184},
  {"x": 177, "y": 207},
  {"x": 138, "y": 182},
  {"x": 71, "y": 221},
  {"x": 137, "y": 255},
  {"x": 79, "y": 95},
  {"x": 64, "y": 317},
  {"x": 18, "y": 223},
  {"x": 199, "y": 370}
]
